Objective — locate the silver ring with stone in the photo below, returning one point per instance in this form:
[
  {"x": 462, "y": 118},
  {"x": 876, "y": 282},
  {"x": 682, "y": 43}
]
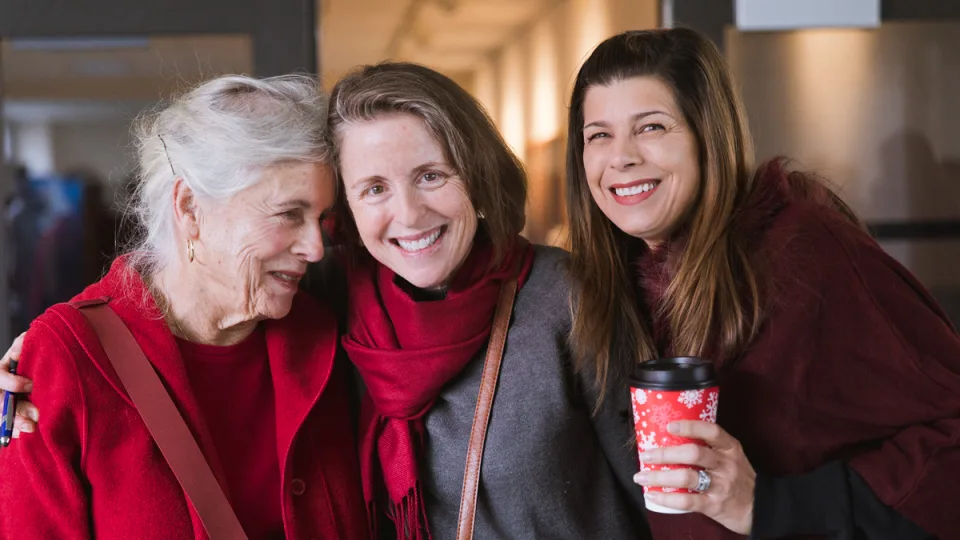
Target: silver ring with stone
[{"x": 703, "y": 481}]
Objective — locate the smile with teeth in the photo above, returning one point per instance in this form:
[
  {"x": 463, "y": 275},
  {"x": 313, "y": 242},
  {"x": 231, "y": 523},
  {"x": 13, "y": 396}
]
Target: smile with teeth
[
  {"x": 285, "y": 277},
  {"x": 421, "y": 243},
  {"x": 635, "y": 190}
]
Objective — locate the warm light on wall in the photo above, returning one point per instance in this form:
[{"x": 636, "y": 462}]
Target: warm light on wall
[
  {"x": 485, "y": 87},
  {"x": 544, "y": 121},
  {"x": 513, "y": 99},
  {"x": 831, "y": 81},
  {"x": 592, "y": 25}
]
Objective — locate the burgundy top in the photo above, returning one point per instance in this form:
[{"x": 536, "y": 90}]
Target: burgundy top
[
  {"x": 854, "y": 362},
  {"x": 234, "y": 390}
]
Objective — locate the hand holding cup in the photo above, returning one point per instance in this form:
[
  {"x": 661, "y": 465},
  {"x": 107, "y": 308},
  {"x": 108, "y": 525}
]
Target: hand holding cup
[{"x": 729, "y": 498}]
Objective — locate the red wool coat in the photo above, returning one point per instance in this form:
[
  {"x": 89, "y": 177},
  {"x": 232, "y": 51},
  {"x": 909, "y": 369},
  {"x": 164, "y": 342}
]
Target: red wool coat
[
  {"x": 93, "y": 471},
  {"x": 855, "y": 362}
]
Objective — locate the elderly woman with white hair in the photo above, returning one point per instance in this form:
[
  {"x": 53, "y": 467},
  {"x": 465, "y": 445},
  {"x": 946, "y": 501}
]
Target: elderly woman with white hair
[{"x": 232, "y": 190}]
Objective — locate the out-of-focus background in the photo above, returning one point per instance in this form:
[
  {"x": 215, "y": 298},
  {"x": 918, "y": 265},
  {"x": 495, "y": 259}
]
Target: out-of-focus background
[{"x": 866, "y": 92}]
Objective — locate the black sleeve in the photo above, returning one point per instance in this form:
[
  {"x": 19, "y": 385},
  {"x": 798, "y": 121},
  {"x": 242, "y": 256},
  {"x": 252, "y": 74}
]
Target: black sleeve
[{"x": 833, "y": 501}]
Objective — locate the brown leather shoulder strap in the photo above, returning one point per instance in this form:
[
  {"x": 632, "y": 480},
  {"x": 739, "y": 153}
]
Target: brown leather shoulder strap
[
  {"x": 164, "y": 422},
  {"x": 481, "y": 417}
]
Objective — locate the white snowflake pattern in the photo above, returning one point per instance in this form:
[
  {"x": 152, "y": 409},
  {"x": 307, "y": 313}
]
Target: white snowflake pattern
[
  {"x": 643, "y": 424},
  {"x": 709, "y": 413},
  {"x": 640, "y": 396},
  {"x": 691, "y": 398},
  {"x": 647, "y": 441}
]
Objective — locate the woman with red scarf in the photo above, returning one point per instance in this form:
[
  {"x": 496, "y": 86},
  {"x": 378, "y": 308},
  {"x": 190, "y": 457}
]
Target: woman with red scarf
[{"x": 436, "y": 200}]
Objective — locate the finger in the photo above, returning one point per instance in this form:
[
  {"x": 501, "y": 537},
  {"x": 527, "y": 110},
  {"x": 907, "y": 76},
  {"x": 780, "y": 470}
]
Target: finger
[
  {"x": 677, "y": 478},
  {"x": 13, "y": 352},
  {"x": 15, "y": 383},
  {"x": 24, "y": 424},
  {"x": 690, "y": 502},
  {"x": 28, "y": 410},
  {"x": 708, "y": 432},
  {"x": 685, "y": 454}
]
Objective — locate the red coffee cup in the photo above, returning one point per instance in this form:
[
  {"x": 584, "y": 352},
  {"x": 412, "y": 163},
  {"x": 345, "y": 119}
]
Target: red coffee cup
[{"x": 666, "y": 390}]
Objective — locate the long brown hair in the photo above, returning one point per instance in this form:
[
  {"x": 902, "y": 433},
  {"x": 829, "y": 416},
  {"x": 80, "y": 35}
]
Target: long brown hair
[
  {"x": 712, "y": 300},
  {"x": 494, "y": 176}
]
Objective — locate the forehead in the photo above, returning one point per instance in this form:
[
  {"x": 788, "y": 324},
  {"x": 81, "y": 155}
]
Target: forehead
[
  {"x": 388, "y": 141},
  {"x": 626, "y": 97},
  {"x": 311, "y": 182}
]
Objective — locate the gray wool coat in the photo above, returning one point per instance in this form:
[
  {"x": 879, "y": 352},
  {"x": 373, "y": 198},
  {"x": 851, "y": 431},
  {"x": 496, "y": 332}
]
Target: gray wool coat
[{"x": 551, "y": 469}]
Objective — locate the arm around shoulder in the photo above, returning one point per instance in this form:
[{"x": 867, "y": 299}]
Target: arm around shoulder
[{"x": 42, "y": 493}]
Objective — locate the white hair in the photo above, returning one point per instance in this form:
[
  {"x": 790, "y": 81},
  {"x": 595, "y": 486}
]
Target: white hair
[{"x": 218, "y": 137}]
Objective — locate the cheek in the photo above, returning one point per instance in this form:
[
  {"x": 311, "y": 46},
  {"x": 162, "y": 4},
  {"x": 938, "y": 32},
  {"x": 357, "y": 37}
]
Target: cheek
[
  {"x": 371, "y": 221},
  {"x": 593, "y": 164},
  {"x": 257, "y": 244}
]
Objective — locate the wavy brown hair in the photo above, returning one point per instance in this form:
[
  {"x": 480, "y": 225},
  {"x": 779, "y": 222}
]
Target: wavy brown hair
[
  {"x": 714, "y": 296},
  {"x": 494, "y": 176}
]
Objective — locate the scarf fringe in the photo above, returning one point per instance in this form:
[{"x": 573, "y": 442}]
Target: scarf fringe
[{"x": 409, "y": 516}]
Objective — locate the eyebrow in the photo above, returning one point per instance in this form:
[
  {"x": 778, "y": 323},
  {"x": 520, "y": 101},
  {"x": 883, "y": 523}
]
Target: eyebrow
[
  {"x": 295, "y": 203},
  {"x": 634, "y": 118},
  {"x": 419, "y": 169},
  {"x": 429, "y": 165}
]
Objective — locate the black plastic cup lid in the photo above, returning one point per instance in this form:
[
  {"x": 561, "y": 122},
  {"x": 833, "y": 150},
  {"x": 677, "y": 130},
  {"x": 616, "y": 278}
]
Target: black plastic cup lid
[{"x": 685, "y": 373}]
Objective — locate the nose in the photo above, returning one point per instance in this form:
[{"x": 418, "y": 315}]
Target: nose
[
  {"x": 625, "y": 154},
  {"x": 408, "y": 209},
  {"x": 310, "y": 244}
]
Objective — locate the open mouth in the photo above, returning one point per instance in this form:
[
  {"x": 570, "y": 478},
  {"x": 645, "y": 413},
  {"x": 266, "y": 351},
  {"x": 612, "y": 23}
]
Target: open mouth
[
  {"x": 288, "y": 279},
  {"x": 635, "y": 188},
  {"x": 421, "y": 242}
]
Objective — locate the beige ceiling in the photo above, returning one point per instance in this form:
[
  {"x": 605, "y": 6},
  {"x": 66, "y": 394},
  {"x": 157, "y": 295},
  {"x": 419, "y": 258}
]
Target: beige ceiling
[{"x": 449, "y": 35}]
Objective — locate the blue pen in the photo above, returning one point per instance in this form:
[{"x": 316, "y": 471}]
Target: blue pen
[{"x": 9, "y": 412}]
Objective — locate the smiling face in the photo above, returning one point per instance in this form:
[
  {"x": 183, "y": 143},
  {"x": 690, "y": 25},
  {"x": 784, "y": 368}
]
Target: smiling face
[
  {"x": 640, "y": 157},
  {"x": 412, "y": 209},
  {"x": 254, "y": 247}
]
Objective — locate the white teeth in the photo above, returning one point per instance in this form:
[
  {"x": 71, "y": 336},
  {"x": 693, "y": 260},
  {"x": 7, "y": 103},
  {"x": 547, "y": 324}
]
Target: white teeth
[
  {"x": 634, "y": 190},
  {"x": 422, "y": 243},
  {"x": 284, "y": 277}
]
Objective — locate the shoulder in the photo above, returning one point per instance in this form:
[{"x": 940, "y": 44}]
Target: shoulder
[
  {"x": 550, "y": 266},
  {"x": 813, "y": 250},
  {"x": 817, "y": 240},
  {"x": 544, "y": 299}
]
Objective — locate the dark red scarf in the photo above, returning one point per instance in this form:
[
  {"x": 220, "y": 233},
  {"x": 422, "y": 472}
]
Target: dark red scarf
[{"x": 406, "y": 351}]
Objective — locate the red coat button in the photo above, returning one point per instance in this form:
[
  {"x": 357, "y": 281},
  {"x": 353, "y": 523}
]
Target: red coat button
[{"x": 298, "y": 486}]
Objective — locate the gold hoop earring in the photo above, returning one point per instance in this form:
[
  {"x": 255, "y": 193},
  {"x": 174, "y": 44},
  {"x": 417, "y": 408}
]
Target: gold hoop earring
[{"x": 190, "y": 252}]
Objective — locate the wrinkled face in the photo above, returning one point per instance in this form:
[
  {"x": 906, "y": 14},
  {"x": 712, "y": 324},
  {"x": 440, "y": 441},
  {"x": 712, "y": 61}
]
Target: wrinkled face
[
  {"x": 640, "y": 157},
  {"x": 256, "y": 244},
  {"x": 412, "y": 209}
]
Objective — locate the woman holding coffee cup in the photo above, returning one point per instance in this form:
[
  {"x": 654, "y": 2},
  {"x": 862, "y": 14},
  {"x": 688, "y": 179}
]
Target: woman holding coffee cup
[{"x": 837, "y": 371}]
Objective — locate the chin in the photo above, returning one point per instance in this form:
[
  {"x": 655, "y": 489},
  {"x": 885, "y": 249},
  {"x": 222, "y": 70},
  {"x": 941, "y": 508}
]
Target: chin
[
  {"x": 277, "y": 309},
  {"x": 422, "y": 280}
]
